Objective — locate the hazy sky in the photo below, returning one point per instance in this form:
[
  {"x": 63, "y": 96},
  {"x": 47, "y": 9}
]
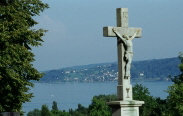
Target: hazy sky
[{"x": 75, "y": 34}]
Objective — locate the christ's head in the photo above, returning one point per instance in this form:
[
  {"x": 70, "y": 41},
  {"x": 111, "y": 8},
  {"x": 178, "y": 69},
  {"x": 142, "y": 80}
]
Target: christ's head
[{"x": 126, "y": 37}]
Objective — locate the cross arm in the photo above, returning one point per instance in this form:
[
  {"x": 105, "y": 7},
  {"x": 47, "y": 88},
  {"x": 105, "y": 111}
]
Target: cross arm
[{"x": 108, "y": 32}]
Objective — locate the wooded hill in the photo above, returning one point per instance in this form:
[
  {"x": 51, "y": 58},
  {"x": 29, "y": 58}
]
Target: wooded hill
[{"x": 148, "y": 70}]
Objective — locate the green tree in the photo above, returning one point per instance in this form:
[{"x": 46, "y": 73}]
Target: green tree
[
  {"x": 175, "y": 100},
  {"x": 56, "y": 112},
  {"x": 71, "y": 111},
  {"x": 16, "y": 39},
  {"x": 60, "y": 113},
  {"x": 175, "y": 97},
  {"x": 99, "y": 108},
  {"x": 81, "y": 111},
  {"x": 54, "y": 106},
  {"x": 35, "y": 112},
  {"x": 45, "y": 111},
  {"x": 142, "y": 93}
]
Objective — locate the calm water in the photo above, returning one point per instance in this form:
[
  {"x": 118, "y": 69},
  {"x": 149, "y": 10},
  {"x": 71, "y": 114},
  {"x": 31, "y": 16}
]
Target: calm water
[{"x": 68, "y": 95}]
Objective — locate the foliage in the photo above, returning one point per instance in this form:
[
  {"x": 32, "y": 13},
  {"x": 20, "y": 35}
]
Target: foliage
[
  {"x": 80, "y": 111},
  {"x": 175, "y": 100},
  {"x": 45, "y": 111},
  {"x": 175, "y": 97},
  {"x": 59, "y": 113},
  {"x": 153, "y": 106},
  {"x": 54, "y": 106},
  {"x": 98, "y": 107},
  {"x": 35, "y": 112},
  {"x": 181, "y": 59},
  {"x": 16, "y": 39},
  {"x": 156, "y": 68}
]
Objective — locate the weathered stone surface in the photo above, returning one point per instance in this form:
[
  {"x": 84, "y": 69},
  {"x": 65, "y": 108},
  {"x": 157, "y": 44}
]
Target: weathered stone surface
[
  {"x": 124, "y": 88},
  {"x": 9, "y": 114},
  {"x": 107, "y": 31},
  {"x": 126, "y": 106}
]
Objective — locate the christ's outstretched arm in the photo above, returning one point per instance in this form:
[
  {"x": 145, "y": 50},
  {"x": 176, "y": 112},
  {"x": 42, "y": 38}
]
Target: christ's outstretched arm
[
  {"x": 114, "y": 30},
  {"x": 135, "y": 34}
]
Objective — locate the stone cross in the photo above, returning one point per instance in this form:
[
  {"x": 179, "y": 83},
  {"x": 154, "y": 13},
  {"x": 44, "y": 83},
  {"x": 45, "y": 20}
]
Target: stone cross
[{"x": 124, "y": 88}]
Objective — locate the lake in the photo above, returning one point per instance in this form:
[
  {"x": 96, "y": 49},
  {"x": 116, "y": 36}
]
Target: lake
[{"x": 69, "y": 95}]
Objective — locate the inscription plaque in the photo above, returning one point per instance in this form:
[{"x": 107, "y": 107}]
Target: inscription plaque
[{"x": 130, "y": 112}]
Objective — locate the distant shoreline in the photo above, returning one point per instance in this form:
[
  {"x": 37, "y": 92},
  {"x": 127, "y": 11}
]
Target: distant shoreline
[{"x": 101, "y": 82}]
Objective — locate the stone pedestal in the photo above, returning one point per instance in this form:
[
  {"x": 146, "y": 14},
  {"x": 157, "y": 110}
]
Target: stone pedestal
[
  {"x": 125, "y": 108},
  {"x": 9, "y": 114}
]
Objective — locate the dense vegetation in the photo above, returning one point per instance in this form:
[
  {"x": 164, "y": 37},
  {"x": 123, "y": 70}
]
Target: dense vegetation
[
  {"x": 152, "y": 107},
  {"x": 149, "y": 70},
  {"x": 175, "y": 98},
  {"x": 16, "y": 39}
]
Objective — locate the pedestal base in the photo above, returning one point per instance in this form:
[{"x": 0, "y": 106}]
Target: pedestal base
[
  {"x": 125, "y": 108},
  {"x": 9, "y": 114}
]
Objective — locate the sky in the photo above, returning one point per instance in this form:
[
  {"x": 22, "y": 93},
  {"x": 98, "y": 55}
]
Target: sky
[{"x": 75, "y": 35}]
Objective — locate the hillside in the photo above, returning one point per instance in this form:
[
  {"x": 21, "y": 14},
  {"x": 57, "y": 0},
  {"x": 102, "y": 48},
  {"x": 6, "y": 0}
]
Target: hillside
[{"x": 149, "y": 70}]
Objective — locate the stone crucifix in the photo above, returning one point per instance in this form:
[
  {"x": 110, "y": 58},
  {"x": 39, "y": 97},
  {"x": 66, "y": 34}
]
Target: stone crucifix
[{"x": 124, "y": 36}]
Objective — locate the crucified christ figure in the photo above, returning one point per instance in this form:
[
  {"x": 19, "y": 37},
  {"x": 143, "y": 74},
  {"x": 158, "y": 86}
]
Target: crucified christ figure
[{"x": 128, "y": 45}]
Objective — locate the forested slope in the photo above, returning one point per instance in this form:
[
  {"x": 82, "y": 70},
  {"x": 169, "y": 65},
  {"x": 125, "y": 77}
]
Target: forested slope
[{"x": 155, "y": 70}]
